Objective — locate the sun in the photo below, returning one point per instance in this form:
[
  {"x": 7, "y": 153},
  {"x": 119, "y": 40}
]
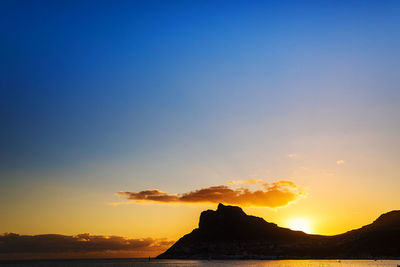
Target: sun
[{"x": 300, "y": 224}]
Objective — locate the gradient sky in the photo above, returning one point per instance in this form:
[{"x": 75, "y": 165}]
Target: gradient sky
[{"x": 98, "y": 97}]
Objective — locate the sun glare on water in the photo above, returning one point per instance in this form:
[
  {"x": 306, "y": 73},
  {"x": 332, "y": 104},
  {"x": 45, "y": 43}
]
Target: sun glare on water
[{"x": 300, "y": 224}]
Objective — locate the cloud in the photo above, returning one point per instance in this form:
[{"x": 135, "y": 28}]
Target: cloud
[
  {"x": 83, "y": 245},
  {"x": 292, "y": 156},
  {"x": 339, "y": 162},
  {"x": 272, "y": 195}
]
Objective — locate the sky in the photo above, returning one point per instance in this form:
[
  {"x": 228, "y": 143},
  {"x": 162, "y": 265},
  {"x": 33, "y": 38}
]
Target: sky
[{"x": 129, "y": 118}]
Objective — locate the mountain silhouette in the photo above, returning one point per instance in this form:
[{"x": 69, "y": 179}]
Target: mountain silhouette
[{"x": 229, "y": 233}]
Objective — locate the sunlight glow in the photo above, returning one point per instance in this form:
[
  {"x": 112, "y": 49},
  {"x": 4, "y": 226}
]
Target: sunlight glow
[{"x": 300, "y": 224}]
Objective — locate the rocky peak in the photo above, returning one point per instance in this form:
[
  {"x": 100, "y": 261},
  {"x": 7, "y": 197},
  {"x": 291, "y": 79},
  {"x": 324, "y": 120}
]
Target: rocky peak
[
  {"x": 230, "y": 210},
  {"x": 223, "y": 215}
]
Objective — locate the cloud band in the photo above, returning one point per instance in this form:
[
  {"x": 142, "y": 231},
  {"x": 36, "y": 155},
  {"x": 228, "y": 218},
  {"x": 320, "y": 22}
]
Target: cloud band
[{"x": 84, "y": 245}]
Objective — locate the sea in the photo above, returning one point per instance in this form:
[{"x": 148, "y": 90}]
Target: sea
[{"x": 195, "y": 263}]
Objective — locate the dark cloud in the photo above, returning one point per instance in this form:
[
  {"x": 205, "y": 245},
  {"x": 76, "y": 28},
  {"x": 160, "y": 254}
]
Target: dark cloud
[
  {"x": 272, "y": 195},
  {"x": 79, "y": 245}
]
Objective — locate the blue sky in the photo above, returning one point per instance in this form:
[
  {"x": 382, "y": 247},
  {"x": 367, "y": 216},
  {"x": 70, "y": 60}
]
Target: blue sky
[
  {"x": 182, "y": 94},
  {"x": 90, "y": 80}
]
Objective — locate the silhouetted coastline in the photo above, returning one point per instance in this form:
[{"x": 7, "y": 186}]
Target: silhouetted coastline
[{"x": 229, "y": 233}]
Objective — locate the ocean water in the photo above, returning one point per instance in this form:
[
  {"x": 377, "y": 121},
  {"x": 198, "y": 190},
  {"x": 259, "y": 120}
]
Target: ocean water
[{"x": 212, "y": 263}]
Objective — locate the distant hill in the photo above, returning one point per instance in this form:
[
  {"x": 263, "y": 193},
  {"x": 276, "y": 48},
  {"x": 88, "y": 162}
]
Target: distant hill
[{"x": 229, "y": 233}]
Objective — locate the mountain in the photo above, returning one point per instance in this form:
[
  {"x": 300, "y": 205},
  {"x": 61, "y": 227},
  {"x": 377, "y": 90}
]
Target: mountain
[{"x": 229, "y": 233}]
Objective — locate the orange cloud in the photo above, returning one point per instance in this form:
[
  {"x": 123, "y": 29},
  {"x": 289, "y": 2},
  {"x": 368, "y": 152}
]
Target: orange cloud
[{"x": 273, "y": 195}]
